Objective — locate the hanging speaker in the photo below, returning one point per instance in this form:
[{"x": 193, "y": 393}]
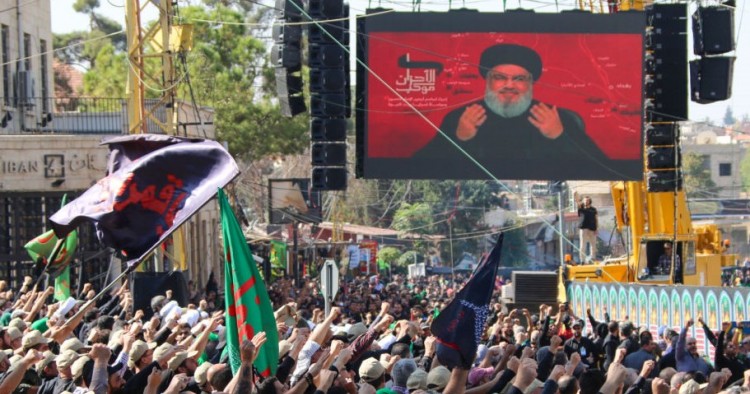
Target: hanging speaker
[
  {"x": 713, "y": 30},
  {"x": 289, "y": 93},
  {"x": 711, "y": 79}
]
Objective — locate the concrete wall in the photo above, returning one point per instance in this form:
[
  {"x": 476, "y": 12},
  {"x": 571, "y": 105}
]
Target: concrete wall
[
  {"x": 54, "y": 162},
  {"x": 35, "y": 20},
  {"x": 716, "y": 155}
]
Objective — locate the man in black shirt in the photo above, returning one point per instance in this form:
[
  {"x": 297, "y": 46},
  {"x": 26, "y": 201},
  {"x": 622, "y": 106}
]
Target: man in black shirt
[
  {"x": 589, "y": 224},
  {"x": 580, "y": 344},
  {"x": 508, "y": 127}
]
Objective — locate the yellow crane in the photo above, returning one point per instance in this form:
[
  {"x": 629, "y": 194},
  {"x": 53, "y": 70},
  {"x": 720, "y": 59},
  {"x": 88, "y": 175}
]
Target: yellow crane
[{"x": 153, "y": 50}]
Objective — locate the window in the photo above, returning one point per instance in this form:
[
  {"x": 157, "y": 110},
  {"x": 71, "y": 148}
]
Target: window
[
  {"x": 725, "y": 169},
  {"x": 4, "y": 32},
  {"x": 44, "y": 69},
  {"x": 27, "y": 52}
]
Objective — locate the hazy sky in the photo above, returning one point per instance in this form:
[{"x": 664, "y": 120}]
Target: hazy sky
[{"x": 64, "y": 19}]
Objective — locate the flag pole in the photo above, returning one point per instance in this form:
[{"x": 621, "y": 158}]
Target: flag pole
[
  {"x": 107, "y": 288},
  {"x": 53, "y": 255}
]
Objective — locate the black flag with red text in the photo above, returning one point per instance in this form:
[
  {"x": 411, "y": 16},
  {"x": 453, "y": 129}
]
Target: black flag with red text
[{"x": 141, "y": 203}]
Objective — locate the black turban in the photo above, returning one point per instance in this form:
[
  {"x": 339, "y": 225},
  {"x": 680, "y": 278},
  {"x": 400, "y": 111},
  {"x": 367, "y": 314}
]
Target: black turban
[{"x": 510, "y": 54}]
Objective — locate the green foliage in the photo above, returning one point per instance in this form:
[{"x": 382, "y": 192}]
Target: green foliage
[
  {"x": 389, "y": 254},
  {"x": 109, "y": 77},
  {"x": 515, "y": 250},
  {"x": 99, "y": 26},
  {"x": 413, "y": 218},
  {"x": 697, "y": 180},
  {"x": 409, "y": 257},
  {"x": 226, "y": 66}
]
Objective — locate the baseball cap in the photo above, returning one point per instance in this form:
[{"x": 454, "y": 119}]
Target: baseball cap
[
  {"x": 18, "y": 313},
  {"x": 137, "y": 350},
  {"x": 18, "y": 323},
  {"x": 73, "y": 344},
  {"x": 180, "y": 358},
  {"x": 161, "y": 350},
  {"x": 438, "y": 378},
  {"x": 371, "y": 369},
  {"x": 44, "y": 362},
  {"x": 13, "y": 333},
  {"x": 201, "y": 373},
  {"x": 417, "y": 380},
  {"x": 33, "y": 338},
  {"x": 77, "y": 368},
  {"x": 356, "y": 330},
  {"x": 66, "y": 358}
]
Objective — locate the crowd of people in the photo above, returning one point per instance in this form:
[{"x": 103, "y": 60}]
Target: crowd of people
[{"x": 375, "y": 339}]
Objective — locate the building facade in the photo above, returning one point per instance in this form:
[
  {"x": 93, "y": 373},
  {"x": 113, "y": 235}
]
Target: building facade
[{"x": 51, "y": 146}]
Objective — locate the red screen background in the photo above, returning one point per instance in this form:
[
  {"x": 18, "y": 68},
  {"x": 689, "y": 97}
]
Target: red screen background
[{"x": 599, "y": 76}]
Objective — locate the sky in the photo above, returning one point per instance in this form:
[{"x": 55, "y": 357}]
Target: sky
[{"x": 65, "y": 19}]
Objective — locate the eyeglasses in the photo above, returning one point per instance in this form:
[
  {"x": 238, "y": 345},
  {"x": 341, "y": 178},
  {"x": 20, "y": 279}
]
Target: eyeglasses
[{"x": 500, "y": 77}]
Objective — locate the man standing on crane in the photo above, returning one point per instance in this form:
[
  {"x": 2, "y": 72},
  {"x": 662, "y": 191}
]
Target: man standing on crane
[{"x": 589, "y": 223}]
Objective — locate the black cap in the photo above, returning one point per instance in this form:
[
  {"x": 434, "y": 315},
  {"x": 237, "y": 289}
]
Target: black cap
[{"x": 511, "y": 54}]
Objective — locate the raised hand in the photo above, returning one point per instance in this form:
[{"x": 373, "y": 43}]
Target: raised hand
[
  {"x": 659, "y": 386},
  {"x": 620, "y": 354},
  {"x": 557, "y": 372},
  {"x": 258, "y": 340},
  {"x": 470, "y": 121},
  {"x": 526, "y": 374},
  {"x": 647, "y": 368},
  {"x": 430, "y": 345},
  {"x": 547, "y": 120},
  {"x": 247, "y": 352},
  {"x": 514, "y": 363}
]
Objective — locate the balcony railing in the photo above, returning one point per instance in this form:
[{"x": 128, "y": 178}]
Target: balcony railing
[{"x": 69, "y": 115}]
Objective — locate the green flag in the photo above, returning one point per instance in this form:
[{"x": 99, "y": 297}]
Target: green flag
[
  {"x": 62, "y": 285},
  {"x": 278, "y": 259},
  {"x": 42, "y": 246},
  {"x": 248, "y": 308}
]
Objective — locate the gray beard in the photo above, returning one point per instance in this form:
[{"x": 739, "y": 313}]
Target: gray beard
[{"x": 507, "y": 110}]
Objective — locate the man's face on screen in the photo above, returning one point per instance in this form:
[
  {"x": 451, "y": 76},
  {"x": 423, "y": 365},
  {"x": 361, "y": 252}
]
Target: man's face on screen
[{"x": 509, "y": 90}]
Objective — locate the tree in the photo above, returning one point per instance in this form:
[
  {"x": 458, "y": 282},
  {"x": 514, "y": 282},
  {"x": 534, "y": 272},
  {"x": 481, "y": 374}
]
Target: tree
[
  {"x": 389, "y": 255},
  {"x": 414, "y": 218},
  {"x": 515, "y": 248},
  {"x": 729, "y": 119},
  {"x": 745, "y": 171},
  {"x": 109, "y": 77},
  {"x": 697, "y": 177},
  {"x": 230, "y": 71},
  {"x": 409, "y": 257}
]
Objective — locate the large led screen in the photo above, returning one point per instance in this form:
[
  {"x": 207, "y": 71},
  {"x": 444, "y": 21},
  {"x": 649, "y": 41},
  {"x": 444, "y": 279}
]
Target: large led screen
[{"x": 515, "y": 95}]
